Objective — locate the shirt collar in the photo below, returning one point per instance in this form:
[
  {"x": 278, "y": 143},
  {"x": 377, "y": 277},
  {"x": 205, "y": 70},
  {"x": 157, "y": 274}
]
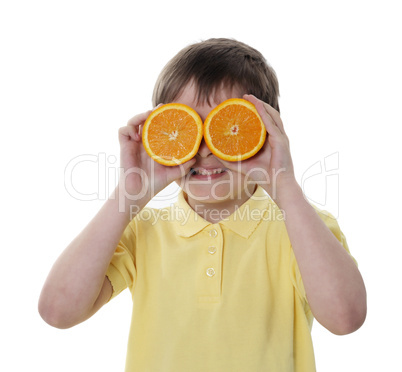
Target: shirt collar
[{"x": 243, "y": 221}]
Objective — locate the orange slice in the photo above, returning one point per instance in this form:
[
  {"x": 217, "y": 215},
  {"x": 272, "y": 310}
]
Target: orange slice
[
  {"x": 234, "y": 130},
  {"x": 172, "y": 134}
]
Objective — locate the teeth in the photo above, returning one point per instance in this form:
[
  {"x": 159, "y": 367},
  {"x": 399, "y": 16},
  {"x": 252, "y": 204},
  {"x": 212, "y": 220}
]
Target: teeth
[{"x": 205, "y": 172}]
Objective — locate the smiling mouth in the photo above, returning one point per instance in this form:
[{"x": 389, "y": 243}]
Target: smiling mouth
[{"x": 206, "y": 172}]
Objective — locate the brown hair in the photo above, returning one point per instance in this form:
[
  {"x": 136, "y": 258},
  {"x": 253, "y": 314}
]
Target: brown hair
[{"x": 213, "y": 63}]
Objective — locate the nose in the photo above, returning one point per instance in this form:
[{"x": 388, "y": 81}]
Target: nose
[{"x": 203, "y": 150}]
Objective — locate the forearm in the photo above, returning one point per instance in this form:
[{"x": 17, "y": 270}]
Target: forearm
[
  {"x": 334, "y": 287},
  {"x": 75, "y": 280}
]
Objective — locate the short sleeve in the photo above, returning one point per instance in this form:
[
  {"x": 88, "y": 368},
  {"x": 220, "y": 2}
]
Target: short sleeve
[
  {"x": 122, "y": 271},
  {"x": 333, "y": 225}
]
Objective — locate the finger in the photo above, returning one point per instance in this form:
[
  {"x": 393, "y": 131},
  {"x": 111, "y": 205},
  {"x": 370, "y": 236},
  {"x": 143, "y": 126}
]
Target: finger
[
  {"x": 270, "y": 124},
  {"x": 129, "y": 132},
  {"x": 187, "y": 165},
  {"x": 274, "y": 114},
  {"x": 139, "y": 119},
  {"x": 156, "y": 107},
  {"x": 180, "y": 170}
]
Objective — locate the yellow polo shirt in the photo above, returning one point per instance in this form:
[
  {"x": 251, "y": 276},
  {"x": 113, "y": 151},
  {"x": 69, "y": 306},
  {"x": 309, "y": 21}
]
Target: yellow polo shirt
[{"x": 224, "y": 297}]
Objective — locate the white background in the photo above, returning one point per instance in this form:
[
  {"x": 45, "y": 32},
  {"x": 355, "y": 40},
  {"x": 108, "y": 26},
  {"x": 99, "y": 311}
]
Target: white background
[{"x": 73, "y": 72}]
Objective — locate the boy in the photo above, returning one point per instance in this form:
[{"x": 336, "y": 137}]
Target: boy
[{"x": 228, "y": 279}]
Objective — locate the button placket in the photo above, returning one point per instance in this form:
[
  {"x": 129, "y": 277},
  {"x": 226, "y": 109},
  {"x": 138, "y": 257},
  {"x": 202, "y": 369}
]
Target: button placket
[
  {"x": 214, "y": 259},
  {"x": 210, "y": 277},
  {"x": 211, "y": 271}
]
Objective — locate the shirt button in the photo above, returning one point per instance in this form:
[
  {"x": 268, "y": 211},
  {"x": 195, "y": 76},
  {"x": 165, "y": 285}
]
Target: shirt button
[
  {"x": 210, "y": 272},
  {"x": 212, "y": 250},
  {"x": 213, "y": 233}
]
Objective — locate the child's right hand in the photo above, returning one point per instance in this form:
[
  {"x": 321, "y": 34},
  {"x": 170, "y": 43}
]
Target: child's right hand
[{"x": 140, "y": 175}]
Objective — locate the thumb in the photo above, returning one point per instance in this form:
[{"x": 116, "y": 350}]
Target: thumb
[{"x": 182, "y": 170}]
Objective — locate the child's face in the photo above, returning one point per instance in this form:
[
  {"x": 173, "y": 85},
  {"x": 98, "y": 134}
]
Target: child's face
[{"x": 213, "y": 183}]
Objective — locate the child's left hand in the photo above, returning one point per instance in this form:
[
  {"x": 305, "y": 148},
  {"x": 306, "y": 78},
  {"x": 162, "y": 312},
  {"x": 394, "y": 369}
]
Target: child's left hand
[{"x": 272, "y": 166}]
